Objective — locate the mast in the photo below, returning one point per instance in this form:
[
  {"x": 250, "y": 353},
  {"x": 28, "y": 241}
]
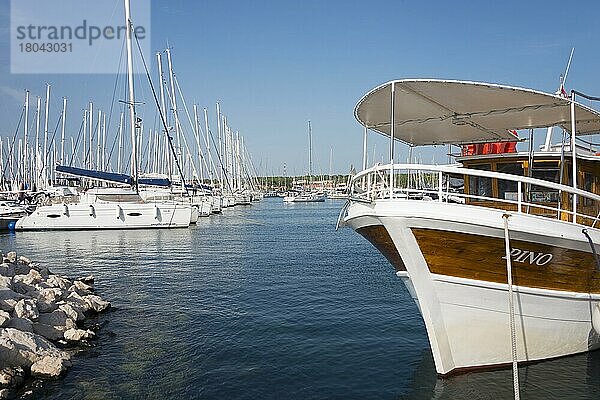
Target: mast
[
  {"x": 309, "y": 155},
  {"x": 85, "y": 122},
  {"x": 163, "y": 105},
  {"x": 197, "y": 137},
  {"x": 62, "y": 131},
  {"x": 98, "y": 141},
  {"x": 45, "y": 154},
  {"x": 134, "y": 163},
  {"x": 25, "y": 163},
  {"x": 89, "y": 151},
  {"x": 119, "y": 155},
  {"x": 37, "y": 139},
  {"x": 330, "y": 164},
  {"x": 174, "y": 100},
  {"x": 104, "y": 142},
  {"x": 210, "y": 161},
  {"x": 219, "y": 152}
]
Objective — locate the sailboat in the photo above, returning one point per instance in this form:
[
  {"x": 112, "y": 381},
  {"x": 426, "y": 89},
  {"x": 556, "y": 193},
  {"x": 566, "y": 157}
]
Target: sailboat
[
  {"x": 306, "y": 196},
  {"x": 110, "y": 208}
]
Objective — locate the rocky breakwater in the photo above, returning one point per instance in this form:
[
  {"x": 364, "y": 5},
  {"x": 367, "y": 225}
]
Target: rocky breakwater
[{"x": 42, "y": 317}]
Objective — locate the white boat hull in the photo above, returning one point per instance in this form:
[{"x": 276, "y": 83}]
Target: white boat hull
[
  {"x": 106, "y": 216},
  {"x": 203, "y": 204},
  {"x": 312, "y": 198},
  {"x": 467, "y": 320},
  {"x": 216, "y": 207},
  {"x": 194, "y": 215}
]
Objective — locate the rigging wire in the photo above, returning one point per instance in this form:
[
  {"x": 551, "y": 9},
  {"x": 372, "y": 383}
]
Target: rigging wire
[
  {"x": 76, "y": 144},
  {"x": 162, "y": 117},
  {"x": 12, "y": 145}
]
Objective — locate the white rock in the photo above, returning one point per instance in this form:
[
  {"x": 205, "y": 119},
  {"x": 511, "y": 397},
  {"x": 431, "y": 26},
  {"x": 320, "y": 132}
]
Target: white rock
[
  {"x": 52, "y": 294},
  {"x": 27, "y": 308},
  {"x": 78, "y": 302},
  {"x": 5, "y": 281},
  {"x": 22, "y": 349},
  {"x": 96, "y": 303},
  {"x": 82, "y": 288},
  {"x": 4, "y": 318},
  {"x": 76, "y": 335},
  {"x": 32, "y": 277},
  {"x": 76, "y": 314},
  {"x": 49, "y": 367},
  {"x": 26, "y": 284},
  {"x": 58, "y": 281},
  {"x": 11, "y": 256},
  {"x": 24, "y": 260},
  {"x": 88, "y": 280}
]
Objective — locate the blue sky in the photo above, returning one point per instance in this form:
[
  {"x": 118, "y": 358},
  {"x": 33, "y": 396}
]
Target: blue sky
[{"x": 274, "y": 65}]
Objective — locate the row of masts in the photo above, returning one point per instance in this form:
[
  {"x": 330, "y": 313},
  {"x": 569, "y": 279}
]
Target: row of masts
[
  {"x": 27, "y": 159},
  {"x": 200, "y": 160}
]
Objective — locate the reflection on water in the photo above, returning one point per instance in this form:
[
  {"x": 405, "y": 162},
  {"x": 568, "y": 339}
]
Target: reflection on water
[{"x": 267, "y": 302}]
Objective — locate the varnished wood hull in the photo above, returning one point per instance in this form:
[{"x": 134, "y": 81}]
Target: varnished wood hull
[
  {"x": 455, "y": 270},
  {"x": 483, "y": 258}
]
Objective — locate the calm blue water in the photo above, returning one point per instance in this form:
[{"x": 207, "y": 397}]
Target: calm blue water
[{"x": 263, "y": 302}]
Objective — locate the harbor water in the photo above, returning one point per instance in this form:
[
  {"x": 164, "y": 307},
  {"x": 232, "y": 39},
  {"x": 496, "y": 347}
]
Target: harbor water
[{"x": 263, "y": 302}]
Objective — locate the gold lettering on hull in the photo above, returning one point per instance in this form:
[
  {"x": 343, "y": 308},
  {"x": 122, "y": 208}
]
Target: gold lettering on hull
[{"x": 483, "y": 258}]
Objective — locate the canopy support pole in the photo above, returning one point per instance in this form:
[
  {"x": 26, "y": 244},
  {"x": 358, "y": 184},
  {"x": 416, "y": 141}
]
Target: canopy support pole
[
  {"x": 364, "y": 163},
  {"x": 574, "y": 156},
  {"x": 393, "y": 122}
]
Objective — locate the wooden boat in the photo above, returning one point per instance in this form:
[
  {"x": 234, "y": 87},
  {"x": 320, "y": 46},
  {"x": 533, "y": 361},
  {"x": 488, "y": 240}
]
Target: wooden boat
[{"x": 455, "y": 233}]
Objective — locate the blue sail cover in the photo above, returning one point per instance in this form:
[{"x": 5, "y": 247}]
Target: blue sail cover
[
  {"x": 111, "y": 176},
  {"x": 154, "y": 182},
  {"x": 94, "y": 174}
]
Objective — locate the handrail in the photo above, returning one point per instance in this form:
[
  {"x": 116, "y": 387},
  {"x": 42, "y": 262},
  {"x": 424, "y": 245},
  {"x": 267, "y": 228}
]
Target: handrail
[{"x": 476, "y": 172}]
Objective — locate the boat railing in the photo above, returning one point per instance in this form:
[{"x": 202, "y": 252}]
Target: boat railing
[{"x": 456, "y": 184}]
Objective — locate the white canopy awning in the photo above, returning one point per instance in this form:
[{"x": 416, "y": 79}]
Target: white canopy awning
[{"x": 431, "y": 112}]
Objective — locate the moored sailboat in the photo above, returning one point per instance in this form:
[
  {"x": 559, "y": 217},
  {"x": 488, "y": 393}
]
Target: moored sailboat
[
  {"x": 306, "y": 195},
  {"x": 111, "y": 208}
]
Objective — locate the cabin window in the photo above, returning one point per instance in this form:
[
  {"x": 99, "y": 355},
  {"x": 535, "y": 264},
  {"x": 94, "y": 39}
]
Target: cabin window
[
  {"x": 546, "y": 171},
  {"x": 588, "y": 186},
  {"x": 508, "y": 190},
  {"x": 479, "y": 185}
]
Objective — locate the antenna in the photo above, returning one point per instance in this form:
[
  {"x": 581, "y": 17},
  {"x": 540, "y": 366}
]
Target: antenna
[
  {"x": 564, "y": 79},
  {"x": 559, "y": 92}
]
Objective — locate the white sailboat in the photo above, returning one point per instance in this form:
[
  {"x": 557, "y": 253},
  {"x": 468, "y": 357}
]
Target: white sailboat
[
  {"x": 306, "y": 196},
  {"x": 111, "y": 208}
]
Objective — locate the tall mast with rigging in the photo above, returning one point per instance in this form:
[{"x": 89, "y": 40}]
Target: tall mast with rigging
[
  {"x": 309, "y": 155},
  {"x": 134, "y": 162}
]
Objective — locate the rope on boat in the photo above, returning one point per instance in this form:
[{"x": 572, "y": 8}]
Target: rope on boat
[
  {"x": 511, "y": 309},
  {"x": 340, "y": 220},
  {"x": 587, "y": 235}
]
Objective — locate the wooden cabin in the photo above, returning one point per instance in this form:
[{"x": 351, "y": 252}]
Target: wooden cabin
[{"x": 542, "y": 165}]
